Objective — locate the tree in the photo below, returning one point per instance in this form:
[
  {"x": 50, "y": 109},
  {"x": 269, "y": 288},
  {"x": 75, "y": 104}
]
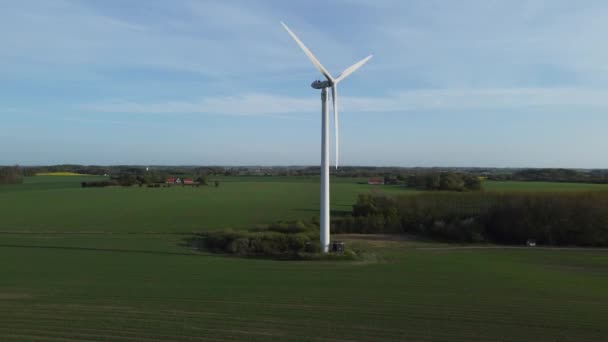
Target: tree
[
  {"x": 203, "y": 179},
  {"x": 450, "y": 181},
  {"x": 11, "y": 175},
  {"x": 365, "y": 206},
  {"x": 472, "y": 183},
  {"x": 389, "y": 179},
  {"x": 433, "y": 181},
  {"x": 417, "y": 181},
  {"x": 217, "y": 183}
]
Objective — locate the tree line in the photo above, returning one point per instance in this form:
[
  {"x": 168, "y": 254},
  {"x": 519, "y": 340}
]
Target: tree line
[
  {"x": 392, "y": 175},
  {"x": 559, "y": 219},
  {"x": 345, "y": 171},
  {"x": 445, "y": 181},
  {"x": 599, "y": 176}
]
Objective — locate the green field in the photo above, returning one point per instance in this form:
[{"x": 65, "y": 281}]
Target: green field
[
  {"x": 59, "y": 204},
  {"x": 109, "y": 265}
]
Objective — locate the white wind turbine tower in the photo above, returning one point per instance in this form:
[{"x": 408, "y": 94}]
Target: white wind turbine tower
[{"x": 332, "y": 83}]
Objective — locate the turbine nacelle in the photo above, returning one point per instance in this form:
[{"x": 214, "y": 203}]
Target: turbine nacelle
[{"x": 321, "y": 84}]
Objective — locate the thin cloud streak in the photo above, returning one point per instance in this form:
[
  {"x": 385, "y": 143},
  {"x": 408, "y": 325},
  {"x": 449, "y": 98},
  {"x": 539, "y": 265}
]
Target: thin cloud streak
[{"x": 414, "y": 100}]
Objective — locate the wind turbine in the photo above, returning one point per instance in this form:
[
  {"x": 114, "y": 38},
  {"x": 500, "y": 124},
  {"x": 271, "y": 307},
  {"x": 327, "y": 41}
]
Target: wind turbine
[{"x": 332, "y": 83}]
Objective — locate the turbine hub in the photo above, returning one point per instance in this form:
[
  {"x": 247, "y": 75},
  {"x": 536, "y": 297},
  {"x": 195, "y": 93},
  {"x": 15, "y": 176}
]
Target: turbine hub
[{"x": 320, "y": 84}]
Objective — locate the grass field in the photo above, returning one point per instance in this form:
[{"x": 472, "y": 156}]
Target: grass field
[
  {"x": 58, "y": 204},
  {"x": 109, "y": 265}
]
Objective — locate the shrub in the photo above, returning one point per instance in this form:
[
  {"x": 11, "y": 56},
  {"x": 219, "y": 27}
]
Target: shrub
[
  {"x": 239, "y": 246},
  {"x": 286, "y": 240}
]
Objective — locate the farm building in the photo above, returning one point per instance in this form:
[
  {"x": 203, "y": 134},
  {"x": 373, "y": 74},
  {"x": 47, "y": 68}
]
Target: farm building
[
  {"x": 173, "y": 180},
  {"x": 189, "y": 181},
  {"x": 375, "y": 181}
]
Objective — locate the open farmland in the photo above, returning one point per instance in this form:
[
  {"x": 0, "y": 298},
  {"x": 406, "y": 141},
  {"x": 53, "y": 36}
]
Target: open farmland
[
  {"x": 108, "y": 264},
  {"x": 59, "y": 204}
]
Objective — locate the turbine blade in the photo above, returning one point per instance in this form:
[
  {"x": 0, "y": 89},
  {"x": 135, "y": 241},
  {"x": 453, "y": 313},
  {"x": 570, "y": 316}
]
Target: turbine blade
[
  {"x": 312, "y": 57},
  {"x": 352, "y": 68},
  {"x": 334, "y": 98}
]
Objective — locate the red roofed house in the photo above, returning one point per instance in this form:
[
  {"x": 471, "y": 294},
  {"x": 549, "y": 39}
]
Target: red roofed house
[
  {"x": 185, "y": 181},
  {"x": 375, "y": 181}
]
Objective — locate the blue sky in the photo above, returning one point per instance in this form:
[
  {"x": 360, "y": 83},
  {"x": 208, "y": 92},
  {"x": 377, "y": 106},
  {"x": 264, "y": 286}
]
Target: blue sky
[{"x": 452, "y": 83}]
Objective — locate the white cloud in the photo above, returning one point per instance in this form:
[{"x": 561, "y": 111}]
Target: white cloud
[
  {"x": 250, "y": 104},
  {"x": 486, "y": 98}
]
